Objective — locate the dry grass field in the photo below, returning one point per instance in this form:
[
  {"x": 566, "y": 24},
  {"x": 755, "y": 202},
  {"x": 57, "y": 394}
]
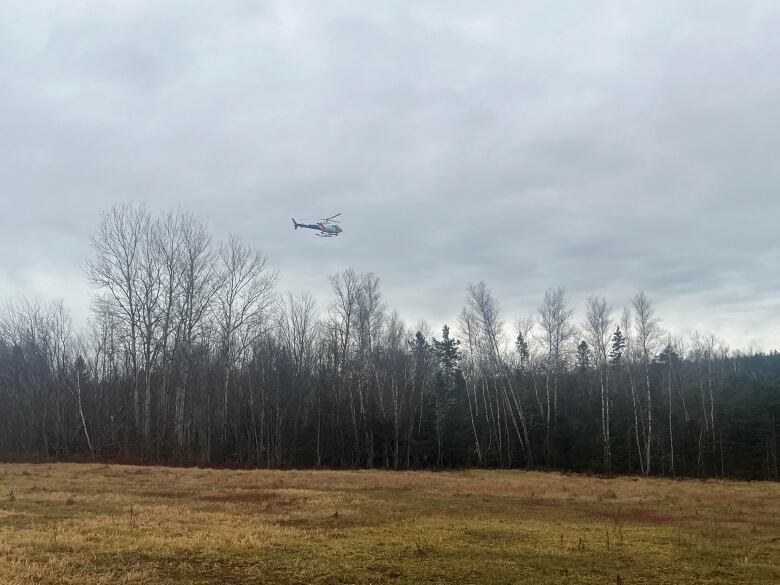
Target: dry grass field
[{"x": 87, "y": 524}]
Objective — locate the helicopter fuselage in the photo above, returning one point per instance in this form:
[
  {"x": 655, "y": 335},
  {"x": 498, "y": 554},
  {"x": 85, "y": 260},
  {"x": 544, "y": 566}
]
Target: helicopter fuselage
[{"x": 325, "y": 228}]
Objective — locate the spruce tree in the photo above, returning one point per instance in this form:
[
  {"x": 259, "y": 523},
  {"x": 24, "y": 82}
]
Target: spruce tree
[
  {"x": 522, "y": 351},
  {"x": 618, "y": 345},
  {"x": 583, "y": 356},
  {"x": 447, "y": 375}
]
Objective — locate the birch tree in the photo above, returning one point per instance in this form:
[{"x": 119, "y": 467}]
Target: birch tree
[
  {"x": 598, "y": 326},
  {"x": 648, "y": 335},
  {"x": 557, "y": 332}
]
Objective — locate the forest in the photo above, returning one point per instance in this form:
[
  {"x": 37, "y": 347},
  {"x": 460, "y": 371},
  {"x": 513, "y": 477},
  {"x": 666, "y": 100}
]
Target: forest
[{"x": 192, "y": 356}]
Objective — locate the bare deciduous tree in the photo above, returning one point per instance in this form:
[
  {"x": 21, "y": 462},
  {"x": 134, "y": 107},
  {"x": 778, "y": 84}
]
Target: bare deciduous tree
[
  {"x": 598, "y": 329},
  {"x": 557, "y": 331},
  {"x": 115, "y": 269},
  {"x": 243, "y": 298},
  {"x": 648, "y": 336}
]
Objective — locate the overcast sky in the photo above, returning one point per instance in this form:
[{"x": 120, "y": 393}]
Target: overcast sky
[{"x": 607, "y": 147}]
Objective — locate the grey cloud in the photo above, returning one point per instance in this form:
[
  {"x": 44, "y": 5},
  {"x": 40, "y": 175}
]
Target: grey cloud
[{"x": 606, "y": 147}]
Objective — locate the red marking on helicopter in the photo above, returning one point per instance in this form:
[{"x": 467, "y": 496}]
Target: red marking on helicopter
[{"x": 326, "y": 228}]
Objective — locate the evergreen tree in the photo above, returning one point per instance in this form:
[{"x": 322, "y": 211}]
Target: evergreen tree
[
  {"x": 447, "y": 352},
  {"x": 522, "y": 350},
  {"x": 448, "y": 375},
  {"x": 583, "y": 356},
  {"x": 618, "y": 345},
  {"x": 667, "y": 356}
]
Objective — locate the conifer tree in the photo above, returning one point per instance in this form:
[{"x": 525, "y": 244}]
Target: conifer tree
[
  {"x": 447, "y": 374},
  {"x": 618, "y": 345},
  {"x": 583, "y": 356},
  {"x": 522, "y": 350}
]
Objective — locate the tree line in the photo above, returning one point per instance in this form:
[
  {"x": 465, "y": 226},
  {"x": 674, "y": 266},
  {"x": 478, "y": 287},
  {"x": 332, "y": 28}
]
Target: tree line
[{"x": 192, "y": 356}]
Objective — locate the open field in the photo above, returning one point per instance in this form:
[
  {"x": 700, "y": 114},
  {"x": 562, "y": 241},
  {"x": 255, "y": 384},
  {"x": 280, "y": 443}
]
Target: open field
[{"x": 89, "y": 523}]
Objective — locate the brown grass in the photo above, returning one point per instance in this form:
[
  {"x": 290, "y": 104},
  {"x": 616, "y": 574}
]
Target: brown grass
[
  {"x": 644, "y": 516},
  {"x": 90, "y": 524}
]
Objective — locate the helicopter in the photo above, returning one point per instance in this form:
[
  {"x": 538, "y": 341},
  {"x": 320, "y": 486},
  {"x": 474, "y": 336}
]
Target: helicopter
[{"x": 326, "y": 228}]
